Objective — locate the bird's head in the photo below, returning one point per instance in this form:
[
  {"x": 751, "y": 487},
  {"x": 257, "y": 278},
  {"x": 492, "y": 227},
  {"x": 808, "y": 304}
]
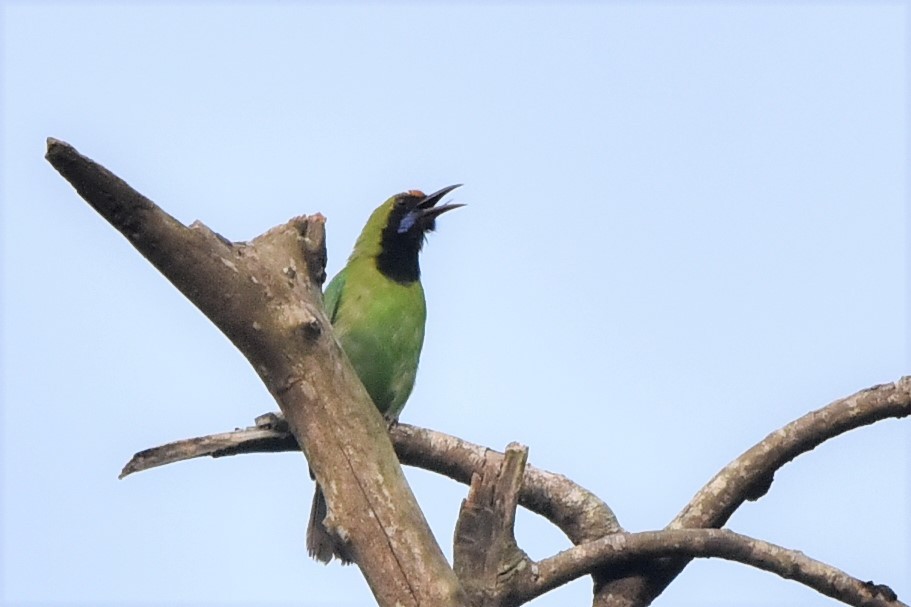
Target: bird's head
[
  {"x": 412, "y": 214},
  {"x": 402, "y": 223}
]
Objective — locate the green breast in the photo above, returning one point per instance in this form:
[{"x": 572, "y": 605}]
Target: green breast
[{"x": 380, "y": 325}]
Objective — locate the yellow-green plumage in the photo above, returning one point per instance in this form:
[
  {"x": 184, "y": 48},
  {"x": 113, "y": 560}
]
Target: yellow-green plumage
[
  {"x": 380, "y": 324},
  {"x": 377, "y": 309},
  {"x": 379, "y": 321}
]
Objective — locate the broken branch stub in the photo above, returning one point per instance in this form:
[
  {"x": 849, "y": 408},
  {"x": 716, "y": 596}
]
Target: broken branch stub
[{"x": 486, "y": 557}]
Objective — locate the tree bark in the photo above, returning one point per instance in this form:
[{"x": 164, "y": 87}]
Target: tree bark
[{"x": 265, "y": 295}]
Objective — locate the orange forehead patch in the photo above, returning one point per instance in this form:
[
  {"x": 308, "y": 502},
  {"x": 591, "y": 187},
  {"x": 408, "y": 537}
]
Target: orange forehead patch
[{"x": 416, "y": 193}]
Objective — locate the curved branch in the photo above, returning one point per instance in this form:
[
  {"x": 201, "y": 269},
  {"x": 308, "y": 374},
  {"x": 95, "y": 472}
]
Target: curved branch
[
  {"x": 749, "y": 477},
  {"x": 580, "y": 514},
  {"x": 621, "y": 548}
]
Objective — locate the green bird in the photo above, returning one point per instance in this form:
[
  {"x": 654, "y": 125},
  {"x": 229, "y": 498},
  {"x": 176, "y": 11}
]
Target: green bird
[{"x": 377, "y": 309}]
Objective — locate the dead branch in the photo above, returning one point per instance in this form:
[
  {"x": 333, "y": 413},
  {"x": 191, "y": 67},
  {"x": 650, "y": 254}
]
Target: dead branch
[
  {"x": 623, "y": 548},
  {"x": 750, "y": 476},
  {"x": 580, "y": 514},
  {"x": 266, "y": 297},
  {"x": 585, "y": 519}
]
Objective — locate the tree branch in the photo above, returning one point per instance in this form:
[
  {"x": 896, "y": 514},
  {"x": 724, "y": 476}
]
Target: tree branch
[
  {"x": 623, "y": 548},
  {"x": 750, "y": 476},
  {"x": 266, "y": 297},
  {"x": 580, "y": 514},
  {"x": 584, "y": 518}
]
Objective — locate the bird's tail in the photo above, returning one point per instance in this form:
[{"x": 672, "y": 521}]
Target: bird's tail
[{"x": 322, "y": 545}]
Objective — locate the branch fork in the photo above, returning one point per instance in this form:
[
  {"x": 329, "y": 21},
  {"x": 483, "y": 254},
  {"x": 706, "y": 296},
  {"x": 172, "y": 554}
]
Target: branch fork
[{"x": 265, "y": 295}]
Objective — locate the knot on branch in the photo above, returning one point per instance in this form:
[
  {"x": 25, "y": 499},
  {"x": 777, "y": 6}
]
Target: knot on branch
[
  {"x": 881, "y": 591},
  {"x": 311, "y": 329}
]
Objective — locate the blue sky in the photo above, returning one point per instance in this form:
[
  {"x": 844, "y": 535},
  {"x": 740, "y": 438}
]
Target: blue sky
[{"x": 686, "y": 226}]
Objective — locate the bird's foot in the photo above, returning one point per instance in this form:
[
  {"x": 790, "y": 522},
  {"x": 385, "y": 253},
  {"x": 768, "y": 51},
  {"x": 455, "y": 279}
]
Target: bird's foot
[{"x": 274, "y": 420}]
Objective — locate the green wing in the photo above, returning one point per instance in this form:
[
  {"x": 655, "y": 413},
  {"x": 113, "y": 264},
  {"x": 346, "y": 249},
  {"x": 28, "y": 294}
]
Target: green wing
[{"x": 332, "y": 296}]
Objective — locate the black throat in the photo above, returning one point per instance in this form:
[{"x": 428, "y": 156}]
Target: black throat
[{"x": 398, "y": 258}]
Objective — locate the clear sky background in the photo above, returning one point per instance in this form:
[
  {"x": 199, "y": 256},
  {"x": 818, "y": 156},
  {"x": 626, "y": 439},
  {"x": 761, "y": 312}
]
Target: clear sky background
[{"x": 686, "y": 227}]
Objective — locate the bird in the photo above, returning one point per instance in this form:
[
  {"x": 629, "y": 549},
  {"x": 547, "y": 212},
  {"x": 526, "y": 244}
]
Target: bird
[{"x": 377, "y": 309}]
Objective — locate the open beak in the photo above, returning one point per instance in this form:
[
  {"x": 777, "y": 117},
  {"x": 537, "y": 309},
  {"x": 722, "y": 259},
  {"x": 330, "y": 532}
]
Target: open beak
[{"x": 428, "y": 207}]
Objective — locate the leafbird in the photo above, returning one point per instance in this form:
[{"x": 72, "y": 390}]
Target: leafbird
[{"x": 377, "y": 309}]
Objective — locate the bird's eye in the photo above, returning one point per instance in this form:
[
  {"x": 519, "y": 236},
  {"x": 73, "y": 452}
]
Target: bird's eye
[{"x": 400, "y": 202}]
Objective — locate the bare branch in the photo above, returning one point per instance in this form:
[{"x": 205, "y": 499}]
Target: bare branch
[
  {"x": 622, "y": 548},
  {"x": 266, "y": 297},
  {"x": 580, "y": 514},
  {"x": 576, "y": 511},
  {"x": 248, "y": 440},
  {"x": 584, "y": 518},
  {"x": 750, "y": 476}
]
